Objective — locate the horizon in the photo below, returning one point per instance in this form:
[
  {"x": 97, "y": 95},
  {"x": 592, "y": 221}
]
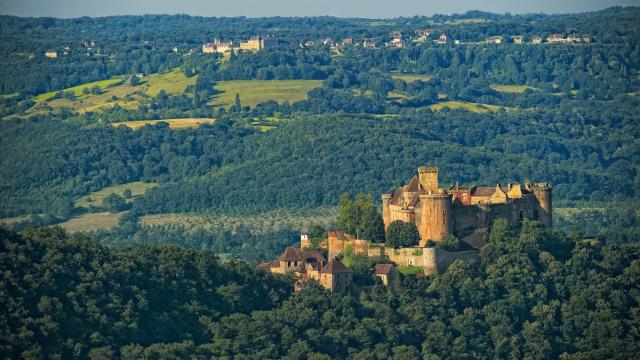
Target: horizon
[{"x": 376, "y": 9}]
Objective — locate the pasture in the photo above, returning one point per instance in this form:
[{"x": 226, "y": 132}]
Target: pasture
[
  {"x": 253, "y": 92},
  {"x": 95, "y": 198},
  {"x": 469, "y": 106},
  {"x": 184, "y": 123},
  {"x": 92, "y": 221},
  {"x": 77, "y": 90},
  {"x": 514, "y": 89},
  {"x": 172, "y": 82},
  {"x": 409, "y": 78}
]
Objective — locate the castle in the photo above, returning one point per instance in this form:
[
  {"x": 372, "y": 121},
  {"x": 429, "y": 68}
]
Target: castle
[{"x": 464, "y": 212}]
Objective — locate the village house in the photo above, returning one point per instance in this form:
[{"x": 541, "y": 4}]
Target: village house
[
  {"x": 442, "y": 39},
  {"x": 396, "y": 40},
  {"x": 346, "y": 42},
  {"x": 494, "y": 40},
  {"x": 308, "y": 265},
  {"x": 586, "y": 38},
  {"x": 208, "y": 48},
  {"x": 328, "y": 42},
  {"x": 369, "y": 43},
  {"x": 422, "y": 35},
  {"x": 556, "y": 38},
  {"x": 536, "y": 40},
  {"x": 518, "y": 39},
  {"x": 387, "y": 273},
  {"x": 51, "y": 54}
]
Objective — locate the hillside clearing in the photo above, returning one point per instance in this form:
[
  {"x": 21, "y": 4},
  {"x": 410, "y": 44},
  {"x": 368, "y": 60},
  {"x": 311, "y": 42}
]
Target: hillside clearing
[
  {"x": 513, "y": 89},
  {"x": 77, "y": 90},
  {"x": 95, "y": 198},
  {"x": 173, "y": 123},
  {"x": 172, "y": 82},
  {"x": 409, "y": 78},
  {"x": 253, "y": 92},
  {"x": 469, "y": 106},
  {"x": 92, "y": 221}
]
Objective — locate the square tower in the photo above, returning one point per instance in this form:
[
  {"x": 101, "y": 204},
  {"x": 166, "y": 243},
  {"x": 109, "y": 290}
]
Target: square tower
[{"x": 428, "y": 178}]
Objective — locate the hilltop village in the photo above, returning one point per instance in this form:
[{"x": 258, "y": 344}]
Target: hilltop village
[
  {"x": 395, "y": 39},
  {"x": 465, "y": 212}
]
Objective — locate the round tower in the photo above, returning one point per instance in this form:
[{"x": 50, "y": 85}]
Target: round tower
[
  {"x": 435, "y": 216},
  {"x": 542, "y": 192}
]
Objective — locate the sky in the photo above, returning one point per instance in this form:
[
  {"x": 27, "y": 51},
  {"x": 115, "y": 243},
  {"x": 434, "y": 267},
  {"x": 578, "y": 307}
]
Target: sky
[{"x": 257, "y": 8}]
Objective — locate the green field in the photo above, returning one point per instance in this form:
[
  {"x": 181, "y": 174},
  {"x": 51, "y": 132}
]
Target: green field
[
  {"x": 92, "y": 221},
  {"x": 516, "y": 89},
  {"x": 183, "y": 123},
  {"x": 470, "y": 106},
  {"x": 408, "y": 78},
  {"x": 77, "y": 90},
  {"x": 173, "y": 82},
  {"x": 137, "y": 188},
  {"x": 253, "y": 92}
]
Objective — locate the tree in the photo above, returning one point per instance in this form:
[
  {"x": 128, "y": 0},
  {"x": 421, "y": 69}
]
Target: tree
[
  {"x": 238, "y": 106},
  {"x": 126, "y": 193},
  {"x": 62, "y": 207},
  {"x": 402, "y": 234},
  {"x": 114, "y": 203},
  {"x": 372, "y": 226}
]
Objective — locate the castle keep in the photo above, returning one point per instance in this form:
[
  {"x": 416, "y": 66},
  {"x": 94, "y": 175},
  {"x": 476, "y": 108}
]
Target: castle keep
[{"x": 465, "y": 212}]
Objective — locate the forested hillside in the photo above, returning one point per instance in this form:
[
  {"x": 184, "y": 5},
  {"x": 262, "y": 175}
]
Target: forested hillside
[
  {"x": 535, "y": 296},
  {"x": 484, "y": 113}
]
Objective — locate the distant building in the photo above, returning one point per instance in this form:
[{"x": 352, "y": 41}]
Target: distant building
[
  {"x": 586, "y": 38},
  {"x": 422, "y": 35},
  {"x": 328, "y": 42},
  {"x": 369, "y": 43},
  {"x": 536, "y": 40},
  {"x": 347, "y": 41},
  {"x": 396, "y": 40},
  {"x": 517, "y": 39},
  {"x": 217, "y": 46},
  {"x": 387, "y": 273},
  {"x": 494, "y": 40},
  {"x": 208, "y": 48},
  {"x": 574, "y": 38},
  {"x": 66, "y": 50},
  {"x": 259, "y": 43},
  {"x": 51, "y": 54},
  {"x": 175, "y": 49},
  {"x": 442, "y": 39},
  {"x": 307, "y": 265},
  {"x": 456, "y": 42},
  {"x": 555, "y": 38},
  {"x": 89, "y": 43}
]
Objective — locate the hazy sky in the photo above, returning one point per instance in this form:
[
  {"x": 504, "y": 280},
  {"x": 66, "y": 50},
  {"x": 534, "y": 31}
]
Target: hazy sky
[{"x": 254, "y": 8}]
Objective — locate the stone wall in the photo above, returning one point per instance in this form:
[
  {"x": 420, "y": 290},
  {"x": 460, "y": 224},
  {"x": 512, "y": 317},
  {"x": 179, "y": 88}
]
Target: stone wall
[{"x": 436, "y": 261}]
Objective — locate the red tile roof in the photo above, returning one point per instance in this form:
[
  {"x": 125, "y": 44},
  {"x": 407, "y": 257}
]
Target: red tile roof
[
  {"x": 383, "y": 269},
  {"x": 335, "y": 266}
]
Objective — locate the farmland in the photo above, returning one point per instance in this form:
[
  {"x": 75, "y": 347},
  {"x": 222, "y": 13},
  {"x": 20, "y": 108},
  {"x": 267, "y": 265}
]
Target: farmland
[
  {"x": 173, "y": 123},
  {"x": 92, "y": 221},
  {"x": 253, "y": 92},
  {"x": 469, "y": 106},
  {"x": 173, "y": 82},
  {"x": 77, "y": 90},
  {"x": 409, "y": 78},
  {"x": 95, "y": 198},
  {"x": 513, "y": 89}
]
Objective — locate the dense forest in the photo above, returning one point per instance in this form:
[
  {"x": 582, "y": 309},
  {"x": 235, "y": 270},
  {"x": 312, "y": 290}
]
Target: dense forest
[{"x": 536, "y": 295}]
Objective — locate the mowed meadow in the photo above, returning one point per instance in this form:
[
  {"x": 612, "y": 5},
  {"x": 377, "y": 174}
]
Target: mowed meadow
[{"x": 253, "y": 92}]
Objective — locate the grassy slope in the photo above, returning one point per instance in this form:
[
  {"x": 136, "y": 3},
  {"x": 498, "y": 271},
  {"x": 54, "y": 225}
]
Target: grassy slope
[
  {"x": 517, "y": 89},
  {"x": 92, "y": 221},
  {"x": 173, "y": 123},
  {"x": 253, "y": 92},
  {"x": 470, "y": 106},
  {"x": 77, "y": 90},
  {"x": 137, "y": 188},
  {"x": 411, "y": 77}
]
